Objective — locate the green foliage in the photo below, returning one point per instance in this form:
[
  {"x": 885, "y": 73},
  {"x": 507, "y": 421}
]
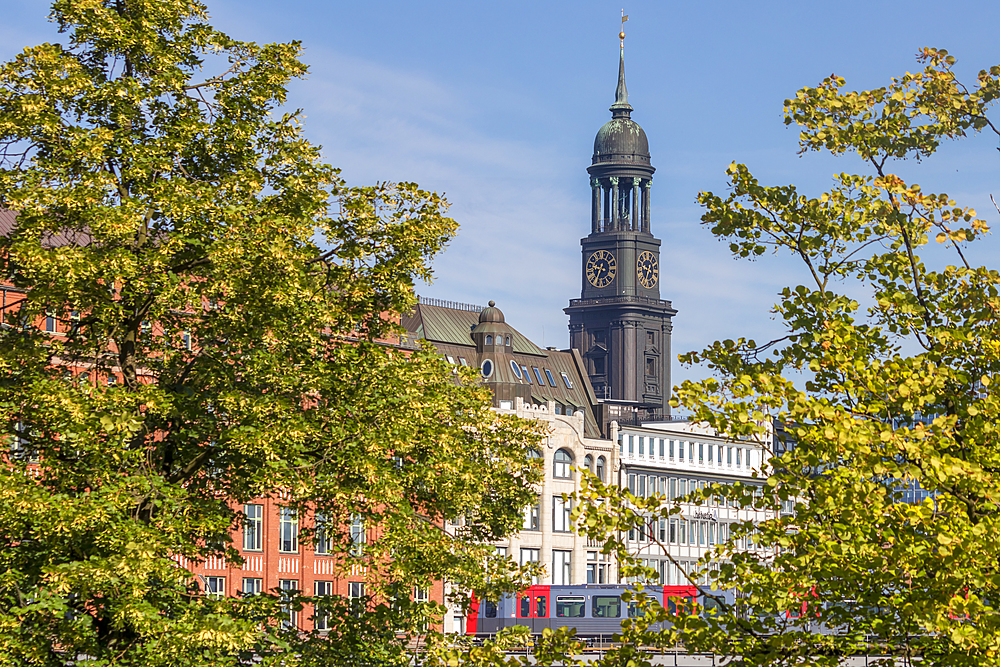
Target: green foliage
[
  {"x": 170, "y": 215},
  {"x": 886, "y": 377}
]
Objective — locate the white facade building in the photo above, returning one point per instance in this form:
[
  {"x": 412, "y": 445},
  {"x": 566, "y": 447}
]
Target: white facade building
[{"x": 673, "y": 459}]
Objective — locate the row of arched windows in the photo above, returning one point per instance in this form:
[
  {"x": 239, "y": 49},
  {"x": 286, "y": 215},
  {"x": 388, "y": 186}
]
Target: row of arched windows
[{"x": 563, "y": 459}]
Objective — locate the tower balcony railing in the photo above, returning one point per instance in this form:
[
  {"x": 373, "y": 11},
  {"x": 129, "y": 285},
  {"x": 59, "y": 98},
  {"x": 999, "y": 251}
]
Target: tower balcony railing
[
  {"x": 621, "y": 298},
  {"x": 624, "y": 225}
]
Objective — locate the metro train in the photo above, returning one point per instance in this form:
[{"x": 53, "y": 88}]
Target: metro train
[{"x": 595, "y": 610}]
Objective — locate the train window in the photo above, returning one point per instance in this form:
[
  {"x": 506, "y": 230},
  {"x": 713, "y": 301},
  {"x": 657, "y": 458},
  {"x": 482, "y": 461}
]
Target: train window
[
  {"x": 607, "y": 606},
  {"x": 633, "y": 610},
  {"x": 540, "y": 607},
  {"x": 570, "y": 606},
  {"x": 489, "y": 609},
  {"x": 525, "y": 608}
]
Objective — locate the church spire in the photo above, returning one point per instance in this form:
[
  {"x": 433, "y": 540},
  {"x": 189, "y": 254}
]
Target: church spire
[{"x": 621, "y": 107}]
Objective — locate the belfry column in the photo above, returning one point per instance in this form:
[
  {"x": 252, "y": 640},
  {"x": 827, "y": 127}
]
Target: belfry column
[
  {"x": 645, "y": 204},
  {"x": 595, "y": 212},
  {"x": 606, "y": 191},
  {"x": 635, "y": 204},
  {"x": 615, "y": 204}
]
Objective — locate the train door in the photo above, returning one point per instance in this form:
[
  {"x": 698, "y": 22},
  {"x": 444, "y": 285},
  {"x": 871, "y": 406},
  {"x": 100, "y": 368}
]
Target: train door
[{"x": 533, "y": 608}]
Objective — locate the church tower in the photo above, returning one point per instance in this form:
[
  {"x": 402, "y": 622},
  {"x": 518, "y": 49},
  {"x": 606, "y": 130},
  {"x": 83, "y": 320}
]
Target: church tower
[{"x": 620, "y": 324}]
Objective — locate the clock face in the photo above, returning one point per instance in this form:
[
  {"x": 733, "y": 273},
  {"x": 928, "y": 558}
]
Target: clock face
[
  {"x": 647, "y": 269},
  {"x": 601, "y": 268}
]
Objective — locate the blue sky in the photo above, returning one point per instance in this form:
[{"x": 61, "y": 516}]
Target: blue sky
[{"x": 497, "y": 105}]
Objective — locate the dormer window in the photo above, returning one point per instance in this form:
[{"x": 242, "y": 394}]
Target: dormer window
[
  {"x": 489, "y": 339},
  {"x": 569, "y": 385},
  {"x": 538, "y": 374},
  {"x": 525, "y": 374},
  {"x": 552, "y": 380}
]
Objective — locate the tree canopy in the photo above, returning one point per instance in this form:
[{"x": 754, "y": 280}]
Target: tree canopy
[
  {"x": 224, "y": 309},
  {"x": 885, "y": 379}
]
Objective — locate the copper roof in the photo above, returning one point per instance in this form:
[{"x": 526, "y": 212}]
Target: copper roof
[
  {"x": 450, "y": 325},
  {"x": 450, "y": 328}
]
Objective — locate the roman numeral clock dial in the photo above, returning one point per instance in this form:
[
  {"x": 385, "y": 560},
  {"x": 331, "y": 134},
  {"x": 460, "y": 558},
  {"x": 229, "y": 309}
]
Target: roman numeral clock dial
[
  {"x": 601, "y": 268},
  {"x": 647, "y": 269}
]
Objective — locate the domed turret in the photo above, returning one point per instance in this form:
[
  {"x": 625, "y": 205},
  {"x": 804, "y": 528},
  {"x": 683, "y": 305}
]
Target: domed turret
[
  {"x": 621, "y": 139},
  {"x": 491, "y": 314}
]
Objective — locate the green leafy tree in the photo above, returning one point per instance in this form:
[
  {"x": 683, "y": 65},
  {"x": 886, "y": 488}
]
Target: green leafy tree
[
  {"x": 226, "y": 309},
  {"x": 886, "y": 377}
]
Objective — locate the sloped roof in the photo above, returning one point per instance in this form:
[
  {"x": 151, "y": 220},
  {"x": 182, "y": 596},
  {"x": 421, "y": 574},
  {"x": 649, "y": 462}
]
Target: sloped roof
[
  {"x": 449, "y": 329},
  {"x": 453, "y": 326}
]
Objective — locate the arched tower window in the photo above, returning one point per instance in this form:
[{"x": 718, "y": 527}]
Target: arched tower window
[
  {"x": 561, "y": 463},
  {"x": 489, "y": 339}
]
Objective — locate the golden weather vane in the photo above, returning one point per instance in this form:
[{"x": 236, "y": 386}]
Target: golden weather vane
[{"x": 621, "y": 35}]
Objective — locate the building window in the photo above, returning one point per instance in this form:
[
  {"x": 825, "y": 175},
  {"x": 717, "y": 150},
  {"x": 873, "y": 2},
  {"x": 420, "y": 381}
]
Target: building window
[
  {"x": 322, "y": 538},
  {"x": 215, "y": 587},
  {"x": 599, "y": 366},
  {"x": 252, "y": 585},
  {"x": 321, "y": 617},
  {"x": 562, "y": 568},
  {"x": 701, "y": 452},
  {"x": 289, "y": 531},
  {"x": 601, "y": 463},
  {"x": 672, "y": 491},
  {"x": 560, "y": 515},
  {"x": 506, "y": 340},
  {"x": 462, "y": 361},
  {"x": 565, "y": 378},
  {"x": 487, "y": 368},
  {"x": 631, "y": 484},
  {"x": 588, "y": 462},
  {"x": 253, "y": 528},
  {"x": 597, "y": 568},
  {"x": 357, "y": 535},
  {"x": 552, "y": 380},
  {"x": 651, "y": 338},
  {"x": 531, "y": 512},
  {"x": 50, "y": 323},
  {"x": 186, "y": 340},
  {"x": 525, "y": 374},
  {"x": 631, "y": 445},
  {"x": 288, "y": 589},
  {"x": 650, "y": 366},
  {"x": 729, "y": 456},
  {"x": 489, "y": 340},
  {"x": 719, "y": 449},
  {"x": 516, "y": 369},
  {"x": 739, "y": 451},
  {"x": 661, "y": 448},
  {"x": 673, "y": 531},
  {"x": 21, "y": 448},
  {"x": 561, "y": 463},
  {"x": 680, "y": 449},
  {"x": 538, "y": 374},
  {"x": 356, "y": 594},
  {"x": 682, "y": 531},
  {"x": 671, "y": 449},
  {"x": 530, "y": 556},
  {"x": 642, "y": 449}
]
